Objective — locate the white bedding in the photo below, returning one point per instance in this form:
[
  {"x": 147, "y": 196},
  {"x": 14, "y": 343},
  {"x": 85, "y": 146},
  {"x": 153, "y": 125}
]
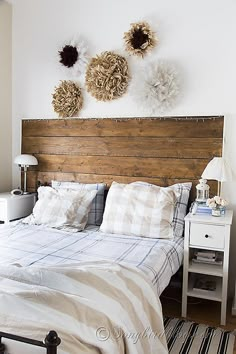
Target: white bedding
[
  {"x": 96, "y": 308},
  {"x": 52, "y": 279},
  {"x": 30, "y": 245}
]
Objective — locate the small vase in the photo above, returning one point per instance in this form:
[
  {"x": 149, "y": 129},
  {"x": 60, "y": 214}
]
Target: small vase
[{"x": 216, "y": 212}]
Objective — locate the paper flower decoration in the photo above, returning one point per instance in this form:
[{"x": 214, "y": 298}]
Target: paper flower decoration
[
  {"x": 67, "y": 99},
  {"x": 216, "y": 202},
  {"x": 156, "y": 87},
  {"x": 107, "y": 76},
  {"x": 139, "y": 39},
  {"x": 73, "y": 57}
]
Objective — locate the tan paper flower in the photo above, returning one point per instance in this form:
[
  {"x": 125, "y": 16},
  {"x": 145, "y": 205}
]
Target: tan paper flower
[
  {"x": 139, "y": 39},
  {"x": 107, "y": 76},
  {"x": 67, "y": 99}
]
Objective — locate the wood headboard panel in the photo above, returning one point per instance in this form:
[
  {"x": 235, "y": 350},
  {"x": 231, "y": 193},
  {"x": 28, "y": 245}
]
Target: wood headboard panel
[{"x": 160, "y": 151}]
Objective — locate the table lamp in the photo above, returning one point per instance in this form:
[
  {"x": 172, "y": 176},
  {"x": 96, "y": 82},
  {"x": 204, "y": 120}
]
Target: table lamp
[
  {"x": 218, "y": 169},
  {"x": 24, "y": 161}
]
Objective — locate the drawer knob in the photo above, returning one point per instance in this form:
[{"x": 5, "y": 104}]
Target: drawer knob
[{"x": 206, "y": 236}]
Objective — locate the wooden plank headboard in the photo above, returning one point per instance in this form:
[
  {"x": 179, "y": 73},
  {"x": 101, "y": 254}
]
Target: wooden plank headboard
[{"x": 159, "y": 151}]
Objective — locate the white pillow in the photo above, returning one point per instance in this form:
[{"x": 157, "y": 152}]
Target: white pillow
[
  {"x": 138, "y": 210},
  {"x": 63, "y": 209}
]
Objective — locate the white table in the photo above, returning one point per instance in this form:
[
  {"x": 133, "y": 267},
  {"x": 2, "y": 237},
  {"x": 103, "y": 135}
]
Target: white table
[
  {"x": 206, "y": 232},
  {"x": 16, "y": 206}
]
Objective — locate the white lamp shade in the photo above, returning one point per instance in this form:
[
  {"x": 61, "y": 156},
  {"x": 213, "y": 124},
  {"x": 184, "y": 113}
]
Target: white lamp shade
[
  {"x": 218, "y": 170},
  {"x": 25, "y": 160}
]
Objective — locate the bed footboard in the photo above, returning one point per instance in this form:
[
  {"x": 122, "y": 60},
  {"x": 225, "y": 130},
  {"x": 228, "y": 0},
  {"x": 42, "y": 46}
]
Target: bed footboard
[{"x": 50, "y": 343}]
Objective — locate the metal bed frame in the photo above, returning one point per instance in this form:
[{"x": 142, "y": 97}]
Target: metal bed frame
[{"x": 51, "y": 341}]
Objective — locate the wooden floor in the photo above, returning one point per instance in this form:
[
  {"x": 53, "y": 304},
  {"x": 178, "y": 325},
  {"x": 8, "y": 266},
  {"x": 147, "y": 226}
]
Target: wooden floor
[{"x": 199, "y": 310}]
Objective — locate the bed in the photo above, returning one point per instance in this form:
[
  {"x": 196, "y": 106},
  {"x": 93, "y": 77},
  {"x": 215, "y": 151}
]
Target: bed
[
  {"x": 88, "y": 151},
  {"x": 158, "y": 259}
]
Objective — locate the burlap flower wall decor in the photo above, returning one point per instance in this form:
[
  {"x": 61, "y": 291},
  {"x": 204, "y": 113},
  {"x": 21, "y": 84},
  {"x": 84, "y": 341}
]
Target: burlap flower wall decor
[
  {"x": 107, "y": 76},
  {"x": 73, "y": 56},
  {"x": 156, "y": 87},
  {"x": 140, "y": 39},
  {"x": 67, "y": 99}
]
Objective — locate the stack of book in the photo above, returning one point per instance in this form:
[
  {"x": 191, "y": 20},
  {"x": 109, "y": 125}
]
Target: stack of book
[
  {"x": 210, "y": 257},
  {"x": 202, "y": 208}
]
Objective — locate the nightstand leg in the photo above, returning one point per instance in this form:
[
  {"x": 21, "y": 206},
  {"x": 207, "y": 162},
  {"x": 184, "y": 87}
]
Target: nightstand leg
[
  {"x": 223, "y": 313},
  {"x": 185, "y": 270},
  {"x": 224, "y": 295},
  {"x": 184, "y": 306},
  {"x": 184, "y": 294},
  {"x": 225, "y": 278}
]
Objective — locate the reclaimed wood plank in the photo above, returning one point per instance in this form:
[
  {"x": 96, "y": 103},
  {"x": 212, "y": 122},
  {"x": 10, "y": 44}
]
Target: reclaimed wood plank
[
  {"x": 126, "y": 166},
  {"x": 124, "y": 146},
  {"x": 155, "y": 127},
  {"x": 39, "y": 178}
]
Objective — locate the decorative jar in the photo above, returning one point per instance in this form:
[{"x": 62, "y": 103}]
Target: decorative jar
[{"x": 216, "y": 212}]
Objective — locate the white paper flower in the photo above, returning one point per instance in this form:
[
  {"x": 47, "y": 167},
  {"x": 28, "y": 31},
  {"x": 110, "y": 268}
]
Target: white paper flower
[
  {"x": 224, "y": 202},
  {"x": 212, "y": 205},
  {"x": 156, "y": 87},
  {"x": 73, "y": 56},
  {"x": 216, "y": 202},
  {"x": 217, "y": 199}
]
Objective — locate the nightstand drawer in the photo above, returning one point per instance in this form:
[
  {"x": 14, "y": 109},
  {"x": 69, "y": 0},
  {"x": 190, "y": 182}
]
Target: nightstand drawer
[{"x": 207, "y": 236}]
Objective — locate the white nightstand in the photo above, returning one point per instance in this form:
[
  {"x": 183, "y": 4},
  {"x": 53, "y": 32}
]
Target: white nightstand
[
  {"x": 16, "y": 206},
  {"x": 206, "y": 232}
]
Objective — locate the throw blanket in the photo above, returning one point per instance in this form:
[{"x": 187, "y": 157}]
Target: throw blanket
[{"x": 95, "y": 307}]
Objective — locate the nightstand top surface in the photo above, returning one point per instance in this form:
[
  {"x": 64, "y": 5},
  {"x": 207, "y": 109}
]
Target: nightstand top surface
[
  {"x": 209, "y": 219},
  {"x": 8, "y": 195}
]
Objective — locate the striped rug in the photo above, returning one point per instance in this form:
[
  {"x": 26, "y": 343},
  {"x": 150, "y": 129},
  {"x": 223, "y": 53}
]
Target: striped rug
[{"x": 185, "y": 337}]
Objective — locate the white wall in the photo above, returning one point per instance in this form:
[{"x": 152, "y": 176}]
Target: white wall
[
  {"x": 199, "y": 36},
  {"x": 5, "y": 96}
]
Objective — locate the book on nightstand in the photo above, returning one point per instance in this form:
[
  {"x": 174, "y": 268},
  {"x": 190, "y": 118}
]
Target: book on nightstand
[
  {"x": 212, "y": 257},
  {"x": 202, "y": 208},
  {"x": 204, "y": 283}
]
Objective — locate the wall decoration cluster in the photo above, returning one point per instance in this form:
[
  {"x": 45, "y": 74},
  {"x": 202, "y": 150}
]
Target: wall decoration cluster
[
  {"x": 67, "y": 99},
  {"x": 107, "y": 76},
  {"x": 140, "y": 39},
  {"x": 155, "y": 88}
]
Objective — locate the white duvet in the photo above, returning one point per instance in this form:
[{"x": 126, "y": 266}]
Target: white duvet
[{"x": 96, "y": 307}]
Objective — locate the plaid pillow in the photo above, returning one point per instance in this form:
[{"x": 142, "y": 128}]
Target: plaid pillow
[
  {"x": 183, "y": 189},
  {"x": 181, "y": 207},
  {"x": 137, "y": 210},
  {"x": 62, "y": 209},
  {"x": 97, "y": 208}
]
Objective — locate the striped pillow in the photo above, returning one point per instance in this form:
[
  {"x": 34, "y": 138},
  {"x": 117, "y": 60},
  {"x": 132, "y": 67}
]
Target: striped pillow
[
  {"x": 97, "y": 207},
  {"x": 137, "y": 210}
]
